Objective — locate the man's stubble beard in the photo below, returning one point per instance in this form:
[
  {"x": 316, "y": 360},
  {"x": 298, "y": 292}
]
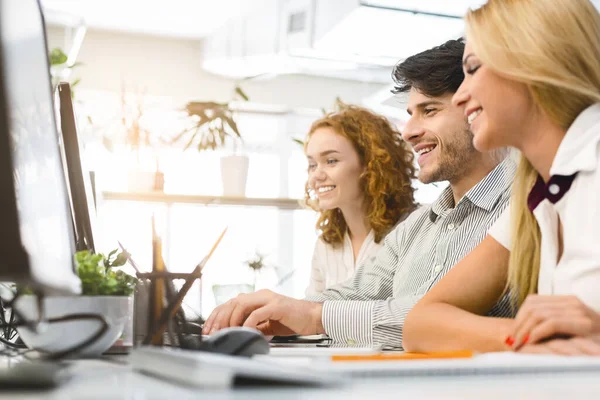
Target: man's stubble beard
[{"x": 456, "y": 159}]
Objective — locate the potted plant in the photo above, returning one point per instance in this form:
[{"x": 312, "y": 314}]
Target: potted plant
[
  {"x": 224, "y": 292},
  {"x": 256, "y": 264},
  {"x": 105, "y": 290},
  {"x": 60, "y": 69},
  {"x": 131, "y": 132},
  {"x": 212, "y": 124}
]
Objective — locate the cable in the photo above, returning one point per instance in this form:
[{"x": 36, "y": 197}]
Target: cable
[
  {"x": 12, "y": 345},
  {"x": 72, "y": 317},
  {"x": 8, "y": 332}
]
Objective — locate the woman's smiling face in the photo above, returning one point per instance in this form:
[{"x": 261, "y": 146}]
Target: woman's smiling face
[
  {"x": 334, "y": 169},
  {"x": 497, "y": 109}
]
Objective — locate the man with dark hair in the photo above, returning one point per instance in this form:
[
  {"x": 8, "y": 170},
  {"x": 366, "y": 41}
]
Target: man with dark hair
[
  {"x": 433, "y": 71},
  {"x": 370, "y": 308}
]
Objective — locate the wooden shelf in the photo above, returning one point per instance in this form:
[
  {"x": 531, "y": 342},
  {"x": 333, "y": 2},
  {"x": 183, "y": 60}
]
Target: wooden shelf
[{"x": 158, "y": 197}]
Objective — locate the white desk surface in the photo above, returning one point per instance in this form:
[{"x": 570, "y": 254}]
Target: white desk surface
[{"x": 96, "y": 379}]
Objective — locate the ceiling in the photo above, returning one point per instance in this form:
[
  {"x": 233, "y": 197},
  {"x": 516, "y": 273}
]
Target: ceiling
[
  {"x": 369, "y": 40},
  {"x": 174, "y": 18},
  {"x": 198, "y": 18},
  {"x": 456, "y": 8}
]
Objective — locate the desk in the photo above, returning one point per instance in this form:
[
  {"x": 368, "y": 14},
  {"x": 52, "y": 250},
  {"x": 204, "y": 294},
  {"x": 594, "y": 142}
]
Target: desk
[{"x": 96, "y": 379}]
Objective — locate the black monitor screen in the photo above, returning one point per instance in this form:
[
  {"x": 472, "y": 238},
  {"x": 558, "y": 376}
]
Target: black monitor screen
[
  {"x": 39, "y": 180},
  {"x": 82, "y": 207}
]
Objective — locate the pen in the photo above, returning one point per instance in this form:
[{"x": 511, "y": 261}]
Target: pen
[
  {"x": 176, "y": 303},
  {"x": 402, "y": 356}
]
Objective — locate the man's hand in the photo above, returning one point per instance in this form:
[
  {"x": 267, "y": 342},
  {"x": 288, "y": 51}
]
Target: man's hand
[
  {"x": 576, "y": 346},
  {"x": 271, "y": 313},
  {"x": 543, "y": 317}
]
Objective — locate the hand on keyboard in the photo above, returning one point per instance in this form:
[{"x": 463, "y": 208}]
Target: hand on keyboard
[{"x": 269, "y": 312}]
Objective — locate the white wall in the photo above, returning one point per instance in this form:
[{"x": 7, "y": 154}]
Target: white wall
[{"x": 171, "y": 67}]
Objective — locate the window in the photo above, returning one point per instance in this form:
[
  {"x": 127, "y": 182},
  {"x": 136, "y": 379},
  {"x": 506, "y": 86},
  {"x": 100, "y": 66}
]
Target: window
[{"x": 277, "y": 169}]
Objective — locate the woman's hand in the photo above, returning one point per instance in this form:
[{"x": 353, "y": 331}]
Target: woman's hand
[
  {"x": 545, "y": 317},
  {"x": 575, "y": 346}
]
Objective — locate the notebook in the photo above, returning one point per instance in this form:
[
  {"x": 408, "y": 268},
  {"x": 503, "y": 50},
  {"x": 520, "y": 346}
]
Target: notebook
[{"x": 482, "y": 364}]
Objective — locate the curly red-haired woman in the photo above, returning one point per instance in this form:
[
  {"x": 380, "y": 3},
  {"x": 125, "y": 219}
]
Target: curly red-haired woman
[{"x": 359, "y": 179}]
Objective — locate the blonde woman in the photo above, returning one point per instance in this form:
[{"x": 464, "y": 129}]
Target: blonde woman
[
  {"x": 360, "y": 175},
  {"x": 532, "y": 82}
]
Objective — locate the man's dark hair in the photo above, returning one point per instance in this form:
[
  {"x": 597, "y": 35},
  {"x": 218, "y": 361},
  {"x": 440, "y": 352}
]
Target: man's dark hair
[{"x": 433, "y": 72}]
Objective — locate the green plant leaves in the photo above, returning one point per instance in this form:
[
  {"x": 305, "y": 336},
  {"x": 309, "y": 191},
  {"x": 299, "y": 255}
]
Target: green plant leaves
[
  {"x": 98, "y": 276},
  {"x": 57, "y": 57},
  {"x": 120, "y": 260},
  {"x": 298, "y": 141},
  {"x": 232, "y": 125},
  {"x": 257, "y": 262},
  {"x": 214, "y": 123},
  {"x": 238, "y": 90}
]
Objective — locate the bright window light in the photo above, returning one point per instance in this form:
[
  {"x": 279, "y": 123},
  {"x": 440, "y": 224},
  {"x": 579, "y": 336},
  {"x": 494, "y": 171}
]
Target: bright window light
[{"x": 399, "y": 34}]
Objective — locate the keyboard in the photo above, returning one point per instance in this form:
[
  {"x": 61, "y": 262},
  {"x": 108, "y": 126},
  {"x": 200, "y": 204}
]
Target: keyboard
[
  {"x": 33, "y": 375},
  {"x": 201, "y": 369}
]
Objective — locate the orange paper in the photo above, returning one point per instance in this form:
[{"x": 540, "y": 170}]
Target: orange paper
[{"x": 402, "y": 356}]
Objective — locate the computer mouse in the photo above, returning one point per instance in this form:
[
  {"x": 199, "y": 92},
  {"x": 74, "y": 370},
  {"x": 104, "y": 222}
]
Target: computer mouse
[
  {"x": 236, "y": 341},
  {"x": 192, "y": 328}
]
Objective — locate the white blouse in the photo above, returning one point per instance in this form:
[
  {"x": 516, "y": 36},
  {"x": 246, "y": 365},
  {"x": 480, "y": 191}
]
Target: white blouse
[
  {"x": 331, "y": 266},
  {"x": 572, "y": 195}
]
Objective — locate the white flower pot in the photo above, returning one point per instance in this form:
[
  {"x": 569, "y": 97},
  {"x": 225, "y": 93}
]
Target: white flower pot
[
  {"x": 145, "y": 181},
  {"x": 234, "y": 173},
  {"x": 124, "y": 343},
  {"x": 61, "y": 336}
]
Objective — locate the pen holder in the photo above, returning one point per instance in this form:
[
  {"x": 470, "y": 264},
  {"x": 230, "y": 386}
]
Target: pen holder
[
  {"x": 170, "y": 317},
  {"x": 140, "y": 313}
]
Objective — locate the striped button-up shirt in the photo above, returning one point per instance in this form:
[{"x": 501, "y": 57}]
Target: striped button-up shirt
[{"x": 370, "y": 308}]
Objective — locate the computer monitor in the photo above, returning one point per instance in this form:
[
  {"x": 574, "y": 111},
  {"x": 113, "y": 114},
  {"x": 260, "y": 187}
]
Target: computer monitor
[
  {"x": 36, "y": 233},
  {"x": 79, "y": 186}
]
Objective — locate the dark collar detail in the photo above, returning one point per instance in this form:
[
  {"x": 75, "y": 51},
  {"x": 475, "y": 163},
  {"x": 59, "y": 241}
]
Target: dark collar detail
[
  {"x": 554, "y": 190},
  {"x": 443, "y": 203},
  {"x": 432, "y": 216}
]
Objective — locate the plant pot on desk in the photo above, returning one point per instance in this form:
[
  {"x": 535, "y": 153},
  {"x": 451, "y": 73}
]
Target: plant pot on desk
[
  {"x": 61, "y": 336},
  {"x": 234, "y": 174},
  {"x": 124, "y": 343}
]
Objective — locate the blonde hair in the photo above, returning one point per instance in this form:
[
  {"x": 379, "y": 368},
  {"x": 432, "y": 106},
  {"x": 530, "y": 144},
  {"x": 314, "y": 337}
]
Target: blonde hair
[{"x": 553, "y": 48}]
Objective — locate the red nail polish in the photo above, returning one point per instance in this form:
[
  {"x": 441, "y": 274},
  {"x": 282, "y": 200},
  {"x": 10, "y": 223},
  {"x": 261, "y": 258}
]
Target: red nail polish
[
  {"x": 526, "y": 339},
  {"x": 509, "y": 341}
]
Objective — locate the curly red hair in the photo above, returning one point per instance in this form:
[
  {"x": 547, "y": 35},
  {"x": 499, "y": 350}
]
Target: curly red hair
[{"x": 387, "y": 180}]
